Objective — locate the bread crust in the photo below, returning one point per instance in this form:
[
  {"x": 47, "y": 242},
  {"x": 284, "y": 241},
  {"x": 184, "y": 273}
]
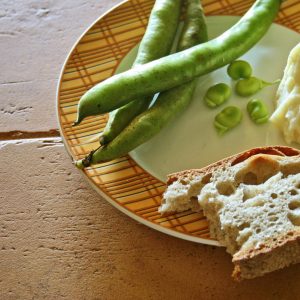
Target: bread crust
[
  {"x": 232, "y": 160},
  {"x": 268, "y": 251}
]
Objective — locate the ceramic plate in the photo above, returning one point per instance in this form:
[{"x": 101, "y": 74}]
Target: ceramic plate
[{"x": 135, "y": 183}]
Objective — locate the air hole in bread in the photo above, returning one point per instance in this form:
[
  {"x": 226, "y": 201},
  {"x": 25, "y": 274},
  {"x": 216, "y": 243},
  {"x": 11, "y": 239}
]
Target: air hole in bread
[
  {"x": 293, "y": 192},
  {"x": 258, "y": 171},
  {"x": 258, "y": 230},
  {"x": 244, "y": 235},
  {"x": 273, "y": 218},
  {"x": 244, "y": 225},
  {"x": 225, "y": 188},
  {"x": 255, "y": 202},
  {"x": 183, "y": 181},
  {"x": 250, "y": 178},
  {"x": 259, "y": 202},
  {"x": 206, "y": 179},
  {"x": 294, "y": 217},
  {"x": 247, "y": 195},
  {"x": 273, "y": 196},
  {"x": 290, "y": 169},
  {"x": 294, "y": 204}
]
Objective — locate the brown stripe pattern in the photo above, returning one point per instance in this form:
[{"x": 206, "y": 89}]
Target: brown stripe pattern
[{"x": 95, "y": 58}]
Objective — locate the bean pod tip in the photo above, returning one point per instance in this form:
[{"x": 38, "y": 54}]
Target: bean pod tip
[{"x": 79, "y": 164}]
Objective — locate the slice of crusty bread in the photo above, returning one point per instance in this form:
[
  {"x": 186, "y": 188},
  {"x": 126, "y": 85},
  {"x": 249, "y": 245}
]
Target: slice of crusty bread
[{"x": 252, "y": 201}]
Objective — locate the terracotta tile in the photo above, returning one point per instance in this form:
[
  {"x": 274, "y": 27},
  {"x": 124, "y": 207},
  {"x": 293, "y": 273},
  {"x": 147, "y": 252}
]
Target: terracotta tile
[
  {"x": 35, "y": 39},
  {"x": 59, "y": 239}
]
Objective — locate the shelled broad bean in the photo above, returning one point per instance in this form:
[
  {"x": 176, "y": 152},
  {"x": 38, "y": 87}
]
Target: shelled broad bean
[
  {"x": 258, "y": 111},
  {"x": 250, "y": 86},
  {"x": 239, "y": 69},
  {"x": 227, "y": 119},
  {"x": 217, "y": 94}
]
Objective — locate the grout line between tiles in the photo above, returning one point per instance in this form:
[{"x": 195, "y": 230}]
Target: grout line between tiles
[{"x": 24, "y": 135}]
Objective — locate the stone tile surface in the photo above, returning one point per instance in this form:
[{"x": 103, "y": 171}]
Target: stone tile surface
[
  {"x": 35, "y": 39},
  {"x": 60, "y": 240}
]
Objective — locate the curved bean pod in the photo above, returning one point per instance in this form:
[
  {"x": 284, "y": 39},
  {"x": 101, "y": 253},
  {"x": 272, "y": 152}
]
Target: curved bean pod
[
  {"x": 157, "y": 42},
  {"x": 181, "y": 67},
  {"x": 167, "y": 105}
]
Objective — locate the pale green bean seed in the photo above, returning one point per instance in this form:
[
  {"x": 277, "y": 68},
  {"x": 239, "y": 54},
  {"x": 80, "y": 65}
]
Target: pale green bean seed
[
  {"x": 239, "y": 69},
  {"x": 258, "y": 111},
  {"x": 227, "y": 119},
  {"x": 217, "y": 95},
  {"x": 249, "y": 86}
]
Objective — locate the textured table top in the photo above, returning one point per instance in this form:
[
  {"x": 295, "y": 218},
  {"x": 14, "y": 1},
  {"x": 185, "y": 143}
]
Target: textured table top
[{"x": 58, "y": 238}]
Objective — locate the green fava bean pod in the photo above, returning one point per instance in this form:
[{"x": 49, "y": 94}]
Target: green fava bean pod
[
  {"x": 217, "y": 95},
  {"x": 179, "y": 68},
  {"x": 250, "y": 86},
  {"x": 227, "y": 119},
  {"x": 168, "y": 104},
  {"x": 239, "y": 69},
  {"x": 156, "y": 43},
  {"x": 258, "y": 111}
]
